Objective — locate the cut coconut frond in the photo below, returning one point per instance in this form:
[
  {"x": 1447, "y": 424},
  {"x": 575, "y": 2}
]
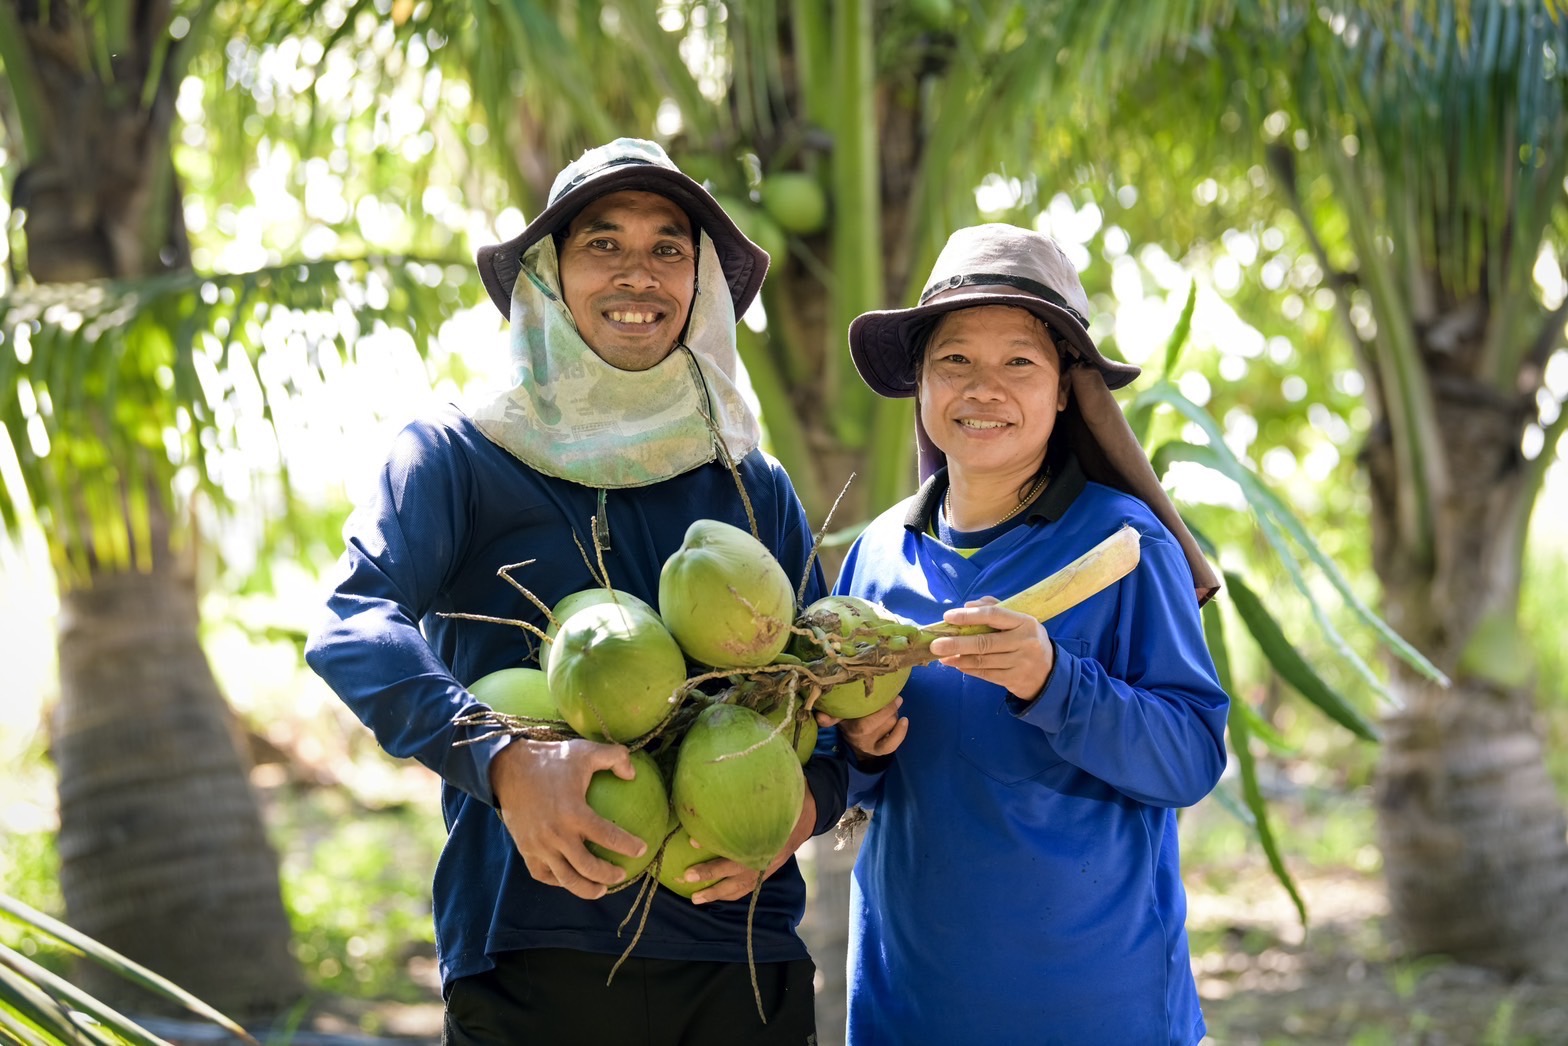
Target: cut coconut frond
[{"x": 1097, "y": 569}]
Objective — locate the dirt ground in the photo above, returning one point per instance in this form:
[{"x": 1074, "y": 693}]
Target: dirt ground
[
  {"x": 1264, "y": 981},
  {"x": 1342, "y": 982}
]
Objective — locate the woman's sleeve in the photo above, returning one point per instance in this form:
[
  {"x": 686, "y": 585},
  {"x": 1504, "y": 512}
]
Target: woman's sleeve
[{"x": 1151, "y": 723}]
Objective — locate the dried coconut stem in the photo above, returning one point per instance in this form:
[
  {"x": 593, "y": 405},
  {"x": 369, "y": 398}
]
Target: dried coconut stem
[
  {"x": 816, "y": 543},
  {"x": 729, "y": 463},
  {"x": 505, "y": 573},
  {"x": 515, "y": 623}
]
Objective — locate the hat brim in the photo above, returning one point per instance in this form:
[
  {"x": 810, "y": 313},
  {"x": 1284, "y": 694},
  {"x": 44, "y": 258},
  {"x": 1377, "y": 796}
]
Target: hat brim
[
  {"x": 743, "y": 262},
  {"x": 883, "y": 343}
]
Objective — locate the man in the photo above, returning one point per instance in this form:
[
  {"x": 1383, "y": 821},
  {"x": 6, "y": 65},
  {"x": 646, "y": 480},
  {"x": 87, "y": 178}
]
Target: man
[{"x": 622, "y": 295}]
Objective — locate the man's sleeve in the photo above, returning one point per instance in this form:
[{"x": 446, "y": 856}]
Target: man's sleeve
[{"x": 402, "y": 545}]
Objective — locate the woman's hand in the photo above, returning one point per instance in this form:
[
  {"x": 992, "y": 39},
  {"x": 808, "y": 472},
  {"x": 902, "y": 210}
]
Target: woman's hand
[
  {"x": 1017, "y": 656},
  {"x": 871, "y": 736}
]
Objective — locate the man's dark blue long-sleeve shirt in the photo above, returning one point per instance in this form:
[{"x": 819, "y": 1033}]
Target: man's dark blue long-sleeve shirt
[{"x": 451, "y": 509}]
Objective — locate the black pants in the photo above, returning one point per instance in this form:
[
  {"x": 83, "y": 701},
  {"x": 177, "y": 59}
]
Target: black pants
[{"x": 558, "y": 997}]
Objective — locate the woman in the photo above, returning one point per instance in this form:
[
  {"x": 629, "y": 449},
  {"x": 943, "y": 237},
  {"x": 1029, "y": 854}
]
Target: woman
[{"x": 1019, "y": 881}]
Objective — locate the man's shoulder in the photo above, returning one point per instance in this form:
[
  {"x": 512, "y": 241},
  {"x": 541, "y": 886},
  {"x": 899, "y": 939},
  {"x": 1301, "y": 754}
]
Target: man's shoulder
[{"x": 444, "y": 425}]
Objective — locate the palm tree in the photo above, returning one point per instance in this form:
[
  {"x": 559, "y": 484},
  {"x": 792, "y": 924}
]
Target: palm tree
[
  {"x": 1441, "y": 212},
  {"x": 1421, "y": 150},
  {"x": 126, "y": 360}
]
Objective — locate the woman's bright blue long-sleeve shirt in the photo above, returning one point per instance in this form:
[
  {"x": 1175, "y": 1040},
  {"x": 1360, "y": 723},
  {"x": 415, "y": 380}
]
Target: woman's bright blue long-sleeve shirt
[
  {"x": 450, "y": 509},
  {"x": 1019, "y": 880}
]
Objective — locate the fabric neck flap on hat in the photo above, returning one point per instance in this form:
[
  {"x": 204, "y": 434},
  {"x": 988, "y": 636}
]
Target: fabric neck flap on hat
[
  {"x": 571, "y": 415},
  {"x": 1111, "y": 455}
]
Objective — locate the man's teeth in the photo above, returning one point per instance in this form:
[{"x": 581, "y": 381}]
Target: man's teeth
[
  {"x": 976, "y": 423},
  {"x": 633, "y": 317}
]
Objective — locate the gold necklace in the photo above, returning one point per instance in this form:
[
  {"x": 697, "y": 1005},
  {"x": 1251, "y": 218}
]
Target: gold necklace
[{"x": 947, "y": 504}]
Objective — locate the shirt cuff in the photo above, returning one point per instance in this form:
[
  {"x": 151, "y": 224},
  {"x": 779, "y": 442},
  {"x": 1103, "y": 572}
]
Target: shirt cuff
[{"x": 1049, "y": 710}]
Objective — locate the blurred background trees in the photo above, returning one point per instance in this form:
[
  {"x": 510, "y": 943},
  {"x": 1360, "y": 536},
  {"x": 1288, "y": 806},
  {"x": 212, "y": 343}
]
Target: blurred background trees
[{"x": 227, "y": 221}]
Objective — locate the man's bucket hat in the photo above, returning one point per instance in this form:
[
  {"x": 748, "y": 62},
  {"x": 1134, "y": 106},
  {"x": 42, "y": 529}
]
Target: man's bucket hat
[
  {"x": 994, "y": 264},
  {"x": 627, "y": 163}
]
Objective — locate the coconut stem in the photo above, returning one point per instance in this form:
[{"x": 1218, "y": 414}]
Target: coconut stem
[
  {"x": 751, "y": 960},
  {"x": 524, "y": 625},
  {"x": 729, "y": 463},
  {"x": 505, "y": 573},
  {"x": 1101, "y": 566},
  {"x": 816, "y": 543}
]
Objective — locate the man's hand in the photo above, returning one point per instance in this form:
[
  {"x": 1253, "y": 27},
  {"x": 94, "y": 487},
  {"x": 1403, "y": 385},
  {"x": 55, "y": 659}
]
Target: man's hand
[
  {"x": 735, "y": 879},
  {"x": 541, "y": 788},
  {"x": 1018, "y": 655},
  {"x": 871, "y": 736}
]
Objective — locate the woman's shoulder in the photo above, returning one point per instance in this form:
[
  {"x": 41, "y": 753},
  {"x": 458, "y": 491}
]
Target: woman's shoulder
[{"x": 1107, "y": 508}]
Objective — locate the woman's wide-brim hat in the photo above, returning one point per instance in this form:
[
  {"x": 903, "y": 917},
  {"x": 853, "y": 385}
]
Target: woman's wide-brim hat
[
  {"x": 1006, "y": 265},
  {"x": 993, "y": 264},
  {"x": 627, "y": 164}
]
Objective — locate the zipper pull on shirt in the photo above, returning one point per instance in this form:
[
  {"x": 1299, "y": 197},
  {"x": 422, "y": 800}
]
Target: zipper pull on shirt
[{"x": 601, "y": 524}]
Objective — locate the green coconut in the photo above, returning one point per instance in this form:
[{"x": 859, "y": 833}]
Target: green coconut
[
  {"x": 641, "y": 806},
  {"x": 725, "y": 598},
  {"x": 796, "y": 201},
  {"x": 614, "y": 670},
  {"x": 741, "y": 806},
  {"x": 863, "y": 625},
  {"x": 802, "y": 729},
  {"x": 517, "y": 691},
  {"x": 680, "y": 855},
  {"x": 571, "y": 604}
]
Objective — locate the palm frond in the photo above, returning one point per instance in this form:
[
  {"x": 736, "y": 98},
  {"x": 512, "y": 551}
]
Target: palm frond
[{"x": 127, "y": 384}]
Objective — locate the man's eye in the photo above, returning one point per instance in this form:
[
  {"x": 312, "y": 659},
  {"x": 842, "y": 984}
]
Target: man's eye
[
  {"x": 602, "y": 244},
  {"x": 669, "y": 250}
]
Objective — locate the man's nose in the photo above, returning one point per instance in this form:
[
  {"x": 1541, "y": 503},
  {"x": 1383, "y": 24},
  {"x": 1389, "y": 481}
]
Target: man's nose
[{"x": 636, "y": 272}]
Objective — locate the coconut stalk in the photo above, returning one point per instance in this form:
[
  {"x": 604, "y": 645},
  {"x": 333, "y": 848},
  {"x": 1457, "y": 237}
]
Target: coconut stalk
[
  {"x": 887, "y": 646},
  {"x": 1101, "y": 566}
]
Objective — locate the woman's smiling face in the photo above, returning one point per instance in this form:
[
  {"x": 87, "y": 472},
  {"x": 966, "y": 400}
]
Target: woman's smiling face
[{"x": 990, "y": 389}]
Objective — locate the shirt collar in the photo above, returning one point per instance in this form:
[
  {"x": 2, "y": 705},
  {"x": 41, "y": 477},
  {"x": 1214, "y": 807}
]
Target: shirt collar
[{"x": 1050, "y": 506}]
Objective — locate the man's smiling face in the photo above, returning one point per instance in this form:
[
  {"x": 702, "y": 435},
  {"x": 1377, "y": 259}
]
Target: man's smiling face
[{"x": 628, "y": 272}]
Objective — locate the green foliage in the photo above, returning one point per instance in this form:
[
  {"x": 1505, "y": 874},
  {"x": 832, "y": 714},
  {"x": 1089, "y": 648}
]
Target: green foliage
[
  {"x": 357, "y": 886},
  {"x": 37, "y": 1006},
  {"x": 1542, "y": 613}
]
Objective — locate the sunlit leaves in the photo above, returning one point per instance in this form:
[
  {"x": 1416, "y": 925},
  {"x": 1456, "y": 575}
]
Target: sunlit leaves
[{"x": 136, "y": 389}]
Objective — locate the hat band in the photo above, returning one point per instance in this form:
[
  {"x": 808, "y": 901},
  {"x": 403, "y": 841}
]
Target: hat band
[
  {"x": 1023, "y": 283},
  {"x": 619, "y": 161}
]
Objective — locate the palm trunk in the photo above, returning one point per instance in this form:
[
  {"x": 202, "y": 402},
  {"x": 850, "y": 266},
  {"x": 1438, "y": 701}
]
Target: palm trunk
[
  {"x": 1471, "y": 828},
  {"x": 162, "y": 851},
  {"x": 163, "y": 855}
]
